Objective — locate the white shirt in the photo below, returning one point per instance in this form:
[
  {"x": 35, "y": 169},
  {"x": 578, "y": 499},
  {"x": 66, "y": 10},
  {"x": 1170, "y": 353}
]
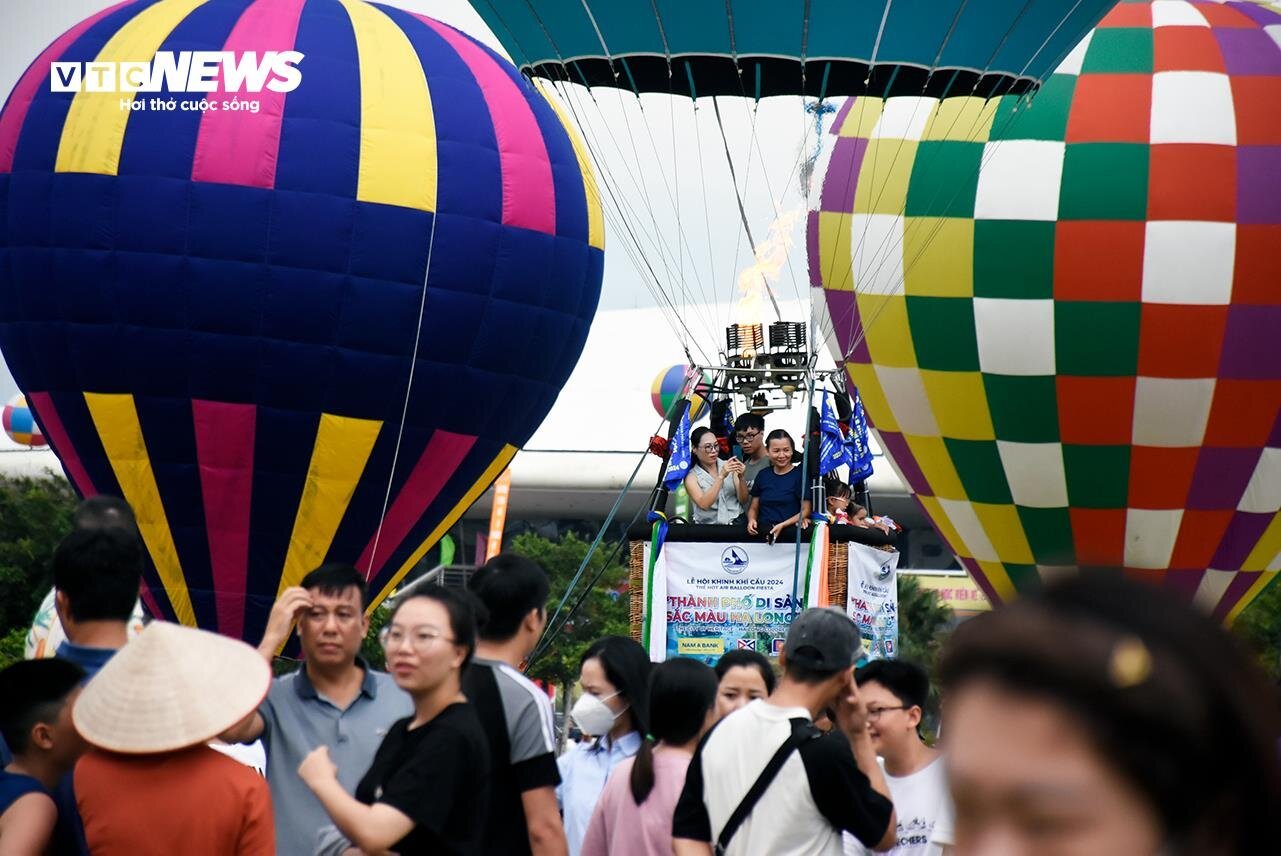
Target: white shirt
[
  {"x": 818, "y": 791},
  {"x": 250, "y": 754},
  {"x": 922, "y": 805},
  {"x": 583, "y": 774}
]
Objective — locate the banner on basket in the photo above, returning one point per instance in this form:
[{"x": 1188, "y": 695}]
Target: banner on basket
[
  {"x": 873, "y": 599},
  {"x": 707, "y": 599}
]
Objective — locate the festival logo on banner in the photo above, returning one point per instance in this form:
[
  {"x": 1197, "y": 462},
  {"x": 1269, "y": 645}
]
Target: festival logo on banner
[
  {"x": 873, "y": 599},
  {"x": 713, "y": 598},
  {"x": 734, "y": 560}
]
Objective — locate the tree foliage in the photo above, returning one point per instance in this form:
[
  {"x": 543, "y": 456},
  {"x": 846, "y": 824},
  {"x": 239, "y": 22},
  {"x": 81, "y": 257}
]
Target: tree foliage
[
  {"x": 1259, "y": 626},
  {"x": 372, "y": 647},
  {"x": 35, "y": 514},
  {"x": 12, "y": 646},
  {"x": 605, "y": 611},
  {"x": 922, "y": 620}
]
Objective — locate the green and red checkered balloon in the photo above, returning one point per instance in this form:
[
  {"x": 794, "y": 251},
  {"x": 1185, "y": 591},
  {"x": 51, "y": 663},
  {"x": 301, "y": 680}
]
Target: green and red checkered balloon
[{"x": 1064, "y": 312}]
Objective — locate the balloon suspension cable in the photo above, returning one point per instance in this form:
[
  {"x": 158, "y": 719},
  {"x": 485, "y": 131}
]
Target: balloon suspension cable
[
  {"x": 805, "y": 466},
  {"x": 548, "y": 635},
  {"x": 888, "y": 247},
  {"x": 613, "y": 557},
  {"x": 404, "y": 410},
  {"x": 742, "y": 212},
  {"x": 657, "y": 500}
]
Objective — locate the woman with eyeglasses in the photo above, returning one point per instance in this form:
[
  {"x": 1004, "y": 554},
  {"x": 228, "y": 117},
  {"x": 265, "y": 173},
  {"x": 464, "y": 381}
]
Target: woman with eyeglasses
[
  {"x": 427, "y": 789},
  {"x": 712, "y": 483}
]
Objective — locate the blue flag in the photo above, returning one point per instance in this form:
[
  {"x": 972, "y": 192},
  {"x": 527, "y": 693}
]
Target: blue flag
[
  {"x": 860, "y": 449},
  {"x": 832, "y": 451},
  {"x": 679, "y": 460}
]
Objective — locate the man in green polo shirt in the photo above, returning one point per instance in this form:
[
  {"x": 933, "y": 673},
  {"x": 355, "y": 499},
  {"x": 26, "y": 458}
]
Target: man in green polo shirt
[{"x": 335, "y": 700}]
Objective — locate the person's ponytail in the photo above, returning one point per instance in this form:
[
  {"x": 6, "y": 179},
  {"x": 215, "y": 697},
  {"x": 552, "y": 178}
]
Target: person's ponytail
[
  {"x": 682, "y": 693},
  {"x": 642, "y": 777}
]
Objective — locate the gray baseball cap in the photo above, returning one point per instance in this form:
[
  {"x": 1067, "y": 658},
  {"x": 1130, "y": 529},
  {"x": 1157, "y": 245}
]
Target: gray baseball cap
[{"x": 824, "y": 639}]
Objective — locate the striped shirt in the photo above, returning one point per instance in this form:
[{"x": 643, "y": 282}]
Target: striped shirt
[{"x": 516, "y": 717}]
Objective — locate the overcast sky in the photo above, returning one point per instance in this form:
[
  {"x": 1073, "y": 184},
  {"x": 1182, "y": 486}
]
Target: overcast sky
[{"x": 664, "y": 162}]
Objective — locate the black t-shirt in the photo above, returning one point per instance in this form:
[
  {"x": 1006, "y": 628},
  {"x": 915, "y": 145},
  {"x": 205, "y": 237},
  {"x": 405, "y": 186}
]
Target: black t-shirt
[
  {"x": 516, "y": 717},
  {"x": 438, "y": 775}
]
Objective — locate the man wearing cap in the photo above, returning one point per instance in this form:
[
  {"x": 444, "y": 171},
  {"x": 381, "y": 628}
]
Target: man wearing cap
[
  {"x": 334, "y": 700},
  {"x": 814, "y": 786},
  {"x": 152, "y": 786}
]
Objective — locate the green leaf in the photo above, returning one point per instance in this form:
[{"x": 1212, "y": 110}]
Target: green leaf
[{"x": 35, "y": 514}]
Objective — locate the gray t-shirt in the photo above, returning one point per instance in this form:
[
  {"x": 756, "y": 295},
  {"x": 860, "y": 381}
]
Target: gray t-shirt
[
  {"x": 751, "y": 468},
  {"x": 516, "y": 717},
  {"x": 727, "y": 507},
  {"x": 297, "y": 719}
]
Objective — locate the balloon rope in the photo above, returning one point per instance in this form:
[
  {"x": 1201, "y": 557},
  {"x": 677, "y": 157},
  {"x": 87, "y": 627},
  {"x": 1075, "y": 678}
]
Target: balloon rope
[
  {"x": 898, "y": 285},
  {"x": 613, "y": 557},
  {"x": 702, "y": 183},
  {"x": 805, "y": 474},
  {"x": 742, "y": 212},
  {"x": 888, "y": 247},
  {"x": 548, "y": 633},
  {"x": 833, "y": 324},
  {"x": 409, "y": 386},
  {"x": 619, "y": 212}
]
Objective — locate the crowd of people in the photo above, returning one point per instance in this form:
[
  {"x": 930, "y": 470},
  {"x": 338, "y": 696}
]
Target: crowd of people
[
  {"x": 765, "y": 489},
  {"x": 1097, "y": 716}
]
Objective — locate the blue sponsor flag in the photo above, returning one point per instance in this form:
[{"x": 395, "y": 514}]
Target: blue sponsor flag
[
  {"x": 679, "y": 460},
  {"x": 832, "y": 451},
  {"x": 859, "y": 448}
]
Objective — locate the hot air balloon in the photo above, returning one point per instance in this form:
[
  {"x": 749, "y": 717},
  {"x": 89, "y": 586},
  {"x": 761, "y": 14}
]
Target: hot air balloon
[
  {"x": 19, "y": 424},
  {"x": 1062, "y": 311},
  {"x": 683, "y": 87},
  {"x": 665, "y": 92},
  {"x": 311, "y": 327},
  {"x": 668, "y": 386}
]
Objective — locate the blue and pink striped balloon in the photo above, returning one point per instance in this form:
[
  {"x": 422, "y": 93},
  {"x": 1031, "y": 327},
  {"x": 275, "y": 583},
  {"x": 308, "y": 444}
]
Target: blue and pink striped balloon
[{"x": 216, "y": 312}]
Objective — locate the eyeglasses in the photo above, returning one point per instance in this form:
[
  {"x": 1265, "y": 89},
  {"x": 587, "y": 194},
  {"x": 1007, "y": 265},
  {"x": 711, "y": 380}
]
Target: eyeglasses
[
  {"x": 875, "y": 712},
  {"x": 708, "y": 447},
  {"x": 420, "y": 638},
  {"x": 747, "y": 435}
]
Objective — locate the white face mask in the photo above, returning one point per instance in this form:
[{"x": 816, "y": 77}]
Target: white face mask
[{"x": 592, "y": 714}]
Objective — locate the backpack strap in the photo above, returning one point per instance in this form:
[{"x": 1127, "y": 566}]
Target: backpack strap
[{"x": 802, "y": 730}]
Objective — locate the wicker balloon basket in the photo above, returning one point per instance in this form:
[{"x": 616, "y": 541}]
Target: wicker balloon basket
[{"x": 838, "y": 564}]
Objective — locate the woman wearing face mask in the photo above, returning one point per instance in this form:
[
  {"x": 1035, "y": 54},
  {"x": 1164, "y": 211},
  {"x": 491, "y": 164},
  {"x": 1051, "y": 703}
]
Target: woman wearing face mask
[
  {"x": 615, "y": 681},
  {"x": 634, "y": 815}
]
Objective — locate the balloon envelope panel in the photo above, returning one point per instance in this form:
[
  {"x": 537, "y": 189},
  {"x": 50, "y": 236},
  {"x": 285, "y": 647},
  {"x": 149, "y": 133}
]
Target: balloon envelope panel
[
  {"x": 820, "y": 48},
  {"x": 1062, "y": 312},
  {"x": 216, "y": 313}
]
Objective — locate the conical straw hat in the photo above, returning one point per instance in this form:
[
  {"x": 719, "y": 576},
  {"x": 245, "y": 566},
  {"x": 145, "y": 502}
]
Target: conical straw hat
[{"x": 170, "y": 688}]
